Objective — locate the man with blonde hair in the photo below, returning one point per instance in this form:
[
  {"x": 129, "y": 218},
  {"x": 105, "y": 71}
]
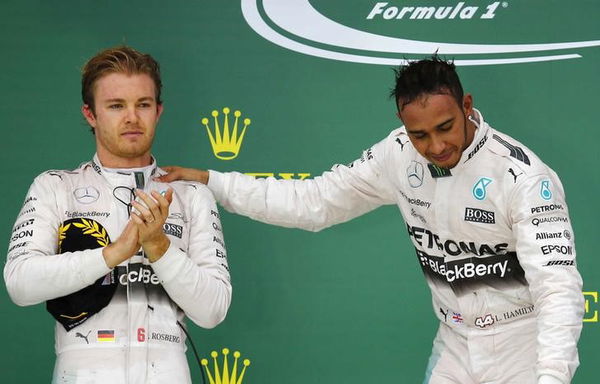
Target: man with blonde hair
[{"x": 119, "y": 258}]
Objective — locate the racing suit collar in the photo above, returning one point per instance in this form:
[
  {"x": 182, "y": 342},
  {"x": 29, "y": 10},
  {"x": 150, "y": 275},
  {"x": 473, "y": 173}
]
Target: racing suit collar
[
  {"x": 120, "y": 176},
  {"x": 479, "y": 140}
]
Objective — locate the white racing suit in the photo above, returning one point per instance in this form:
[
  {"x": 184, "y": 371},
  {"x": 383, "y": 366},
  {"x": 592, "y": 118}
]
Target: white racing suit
[
  {"x": 492, "y": 236},
  {"x": 138, "y": 336}
]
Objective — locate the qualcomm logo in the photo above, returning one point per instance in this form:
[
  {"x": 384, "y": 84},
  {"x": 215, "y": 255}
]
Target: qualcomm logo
[
  {"x": 479, "y": 189},
  {"x": 298, "y": 26}
]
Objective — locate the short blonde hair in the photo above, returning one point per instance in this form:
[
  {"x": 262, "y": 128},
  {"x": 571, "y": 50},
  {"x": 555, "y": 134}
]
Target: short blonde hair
[{"x": 121, "y": 59}]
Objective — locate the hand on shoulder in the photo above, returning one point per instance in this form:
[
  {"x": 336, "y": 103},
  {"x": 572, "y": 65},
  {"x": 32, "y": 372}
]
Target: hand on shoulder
[{"x": 180, "y": 173}]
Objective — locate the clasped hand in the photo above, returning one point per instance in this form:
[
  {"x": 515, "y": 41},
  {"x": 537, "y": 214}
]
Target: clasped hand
[{"x": 145, "y": 229}]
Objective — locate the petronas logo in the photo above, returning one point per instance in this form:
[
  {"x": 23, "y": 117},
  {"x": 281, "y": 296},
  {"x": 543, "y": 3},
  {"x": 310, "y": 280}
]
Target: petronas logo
[
  {"x": 479, "y": 189},
  {"x": 545, "y": 191}
]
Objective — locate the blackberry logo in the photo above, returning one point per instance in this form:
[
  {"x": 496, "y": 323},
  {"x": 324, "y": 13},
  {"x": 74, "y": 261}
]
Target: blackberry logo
[{"x": 480, "y": 216}]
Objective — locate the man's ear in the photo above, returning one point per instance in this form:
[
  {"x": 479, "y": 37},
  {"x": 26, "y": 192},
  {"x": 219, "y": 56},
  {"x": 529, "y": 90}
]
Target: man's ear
[
  {"x": 159, "y": 111},
  {"x": 88, "y": 113},
  {"x": 468, "y": 104}
]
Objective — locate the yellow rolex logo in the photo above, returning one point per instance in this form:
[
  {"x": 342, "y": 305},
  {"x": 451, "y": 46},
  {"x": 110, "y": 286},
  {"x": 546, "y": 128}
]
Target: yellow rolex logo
[
  {"x": 225, "y": 142},
  {"x": 225, "y": 376},
  {"x": 591, "y": 314}
]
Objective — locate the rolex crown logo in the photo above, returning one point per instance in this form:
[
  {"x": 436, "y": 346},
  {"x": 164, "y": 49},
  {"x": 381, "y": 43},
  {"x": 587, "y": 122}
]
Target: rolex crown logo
[
  {"x": 225, "y": 142},
  {"x": 225, "y": 376}
]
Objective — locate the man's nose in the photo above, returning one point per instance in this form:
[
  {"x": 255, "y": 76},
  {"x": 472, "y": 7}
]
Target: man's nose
[
  {"x": 437, "y": 145},
  {"x": 132, "y": 116}
]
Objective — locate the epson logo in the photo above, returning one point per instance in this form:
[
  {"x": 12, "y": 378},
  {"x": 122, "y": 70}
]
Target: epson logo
[
  {"x": 173, "y": 230},
  {"x": 480, "y": 216},
  {"x": 22, "y": 234},
  {"x": 563, "y": 249}
]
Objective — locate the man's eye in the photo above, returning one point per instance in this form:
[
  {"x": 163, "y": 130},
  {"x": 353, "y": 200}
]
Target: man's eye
[
  {"x": 144, "y": 105},
  {"x": 115, "y": 106}
]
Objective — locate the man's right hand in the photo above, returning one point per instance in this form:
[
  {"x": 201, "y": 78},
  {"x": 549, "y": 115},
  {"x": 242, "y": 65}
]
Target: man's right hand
[
  {"x": 126, "y": 246},
  {"x": 180, "y": 173}
]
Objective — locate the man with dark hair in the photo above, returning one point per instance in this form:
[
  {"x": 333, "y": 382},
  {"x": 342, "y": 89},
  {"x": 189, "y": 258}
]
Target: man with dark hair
[
  {"x": 488, "y": 220},
  {"x": 119, "y": 258}
]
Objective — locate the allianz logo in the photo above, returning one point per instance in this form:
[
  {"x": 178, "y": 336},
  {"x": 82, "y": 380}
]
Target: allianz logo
[{"x": 298, "y": 26}]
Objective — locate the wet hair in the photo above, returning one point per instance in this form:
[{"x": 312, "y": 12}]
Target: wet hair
[
  {"x": 121, "y": 59},
  {"x": 432, "y": 76}
]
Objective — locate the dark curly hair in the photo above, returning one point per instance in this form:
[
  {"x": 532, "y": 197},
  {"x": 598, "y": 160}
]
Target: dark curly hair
[{"x": 432, "y": 76}]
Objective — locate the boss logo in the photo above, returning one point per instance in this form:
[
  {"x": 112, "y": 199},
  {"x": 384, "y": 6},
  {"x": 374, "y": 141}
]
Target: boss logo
[
  {"x": 173, "y": 230},
  {"x": 480, "y": 216}
]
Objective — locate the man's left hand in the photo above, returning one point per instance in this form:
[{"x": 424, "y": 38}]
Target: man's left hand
[{"x": 149, "y": 218}]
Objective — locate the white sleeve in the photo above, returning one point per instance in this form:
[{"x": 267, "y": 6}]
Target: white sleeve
[
  {"x": 546, "y": 251},
  {"x": 546, "y": 379},
  {"x": 197, "y": 279},
  {"x": 336, "y": 196},
  {"x": 34, "y": 272}
]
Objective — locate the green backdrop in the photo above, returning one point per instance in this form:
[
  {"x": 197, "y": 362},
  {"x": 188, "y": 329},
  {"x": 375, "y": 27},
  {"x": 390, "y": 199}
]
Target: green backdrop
[{"x": 349, "y": 304}]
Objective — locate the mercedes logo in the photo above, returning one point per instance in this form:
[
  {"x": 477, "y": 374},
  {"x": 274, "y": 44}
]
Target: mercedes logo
[
  {"x": 86, "y": 195},
  {"x": 414, "y": 172}
]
